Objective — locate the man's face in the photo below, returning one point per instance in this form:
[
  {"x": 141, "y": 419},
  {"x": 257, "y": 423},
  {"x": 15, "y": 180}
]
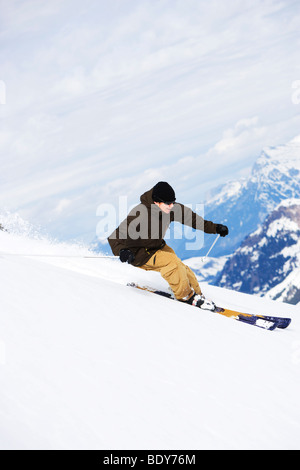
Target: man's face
[{"x": 166, "y": 208}]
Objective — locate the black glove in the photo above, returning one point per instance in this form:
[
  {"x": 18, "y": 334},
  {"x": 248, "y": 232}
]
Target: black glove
[
  {"x": 222, "y": 230},
  {"x": 126, "y": 256}
]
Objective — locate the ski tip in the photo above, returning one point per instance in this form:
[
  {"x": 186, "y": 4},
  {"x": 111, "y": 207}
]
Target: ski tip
[{"x": 284, "y": 323}]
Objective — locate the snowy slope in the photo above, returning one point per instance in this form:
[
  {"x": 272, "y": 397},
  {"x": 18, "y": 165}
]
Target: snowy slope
[{"x": 88, "y": 363}]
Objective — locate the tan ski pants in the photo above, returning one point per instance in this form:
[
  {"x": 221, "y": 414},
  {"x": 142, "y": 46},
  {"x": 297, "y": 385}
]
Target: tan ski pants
[{"x": 180, "y": 277}]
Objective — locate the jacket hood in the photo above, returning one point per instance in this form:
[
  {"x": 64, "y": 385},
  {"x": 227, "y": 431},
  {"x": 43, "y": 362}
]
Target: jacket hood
[{"x": 146, "y": 198}]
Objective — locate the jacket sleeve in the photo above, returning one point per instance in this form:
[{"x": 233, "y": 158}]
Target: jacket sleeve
[
  {"x": 186, "y": 216},
  {"x": 120, "y": 238}
]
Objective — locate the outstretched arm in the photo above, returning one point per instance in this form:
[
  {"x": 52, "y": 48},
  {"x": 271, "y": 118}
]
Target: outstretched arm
[{"x": 186, "y": 216}]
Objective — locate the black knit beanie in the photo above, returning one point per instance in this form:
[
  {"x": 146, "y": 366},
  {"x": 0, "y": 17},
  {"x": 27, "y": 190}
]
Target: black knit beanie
[{"x": 163, "y": 192}]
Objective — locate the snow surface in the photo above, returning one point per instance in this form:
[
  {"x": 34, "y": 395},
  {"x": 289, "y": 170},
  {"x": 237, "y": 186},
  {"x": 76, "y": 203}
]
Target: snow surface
[{"x": 89, "y": 363}]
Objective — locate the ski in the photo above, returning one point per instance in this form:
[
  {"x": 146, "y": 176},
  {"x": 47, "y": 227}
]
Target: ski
[
  {"x": 282, "y": 322},
  {"x": 261, "y": 321}
]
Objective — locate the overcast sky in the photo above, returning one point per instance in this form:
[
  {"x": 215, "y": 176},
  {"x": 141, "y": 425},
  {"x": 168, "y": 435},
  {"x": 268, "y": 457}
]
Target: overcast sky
[{"x": 105, "y": 98}]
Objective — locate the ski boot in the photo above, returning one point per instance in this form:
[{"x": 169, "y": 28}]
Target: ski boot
[{"x": 198, "y": 300}]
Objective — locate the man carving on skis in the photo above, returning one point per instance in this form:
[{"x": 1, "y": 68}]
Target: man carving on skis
[{"x": 139, "y": 241}]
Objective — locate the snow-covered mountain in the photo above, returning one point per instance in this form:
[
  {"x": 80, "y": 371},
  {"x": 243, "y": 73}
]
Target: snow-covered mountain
[
  {"x": 207, "y": 269},
  {"x": 243, "y": 205},
  {"x": 268, "y": 261},
  {"x": 89, "y": 363}
]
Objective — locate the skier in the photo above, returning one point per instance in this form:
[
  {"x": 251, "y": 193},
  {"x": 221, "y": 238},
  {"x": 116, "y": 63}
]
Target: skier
[{"x": 139, "y": 241}]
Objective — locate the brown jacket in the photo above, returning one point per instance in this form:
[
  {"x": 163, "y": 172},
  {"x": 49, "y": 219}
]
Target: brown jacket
[{"x": 145, "y": 227}]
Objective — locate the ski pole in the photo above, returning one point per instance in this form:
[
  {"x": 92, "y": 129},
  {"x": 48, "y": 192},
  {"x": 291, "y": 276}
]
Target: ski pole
[
  {"x": 204, "y": 257},
  {"x": 41, "y": 255}
]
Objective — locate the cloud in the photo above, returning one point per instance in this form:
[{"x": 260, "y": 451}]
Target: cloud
[
  {"x": 105, "y": 98},
  {"x": 244, "y": 131}
]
